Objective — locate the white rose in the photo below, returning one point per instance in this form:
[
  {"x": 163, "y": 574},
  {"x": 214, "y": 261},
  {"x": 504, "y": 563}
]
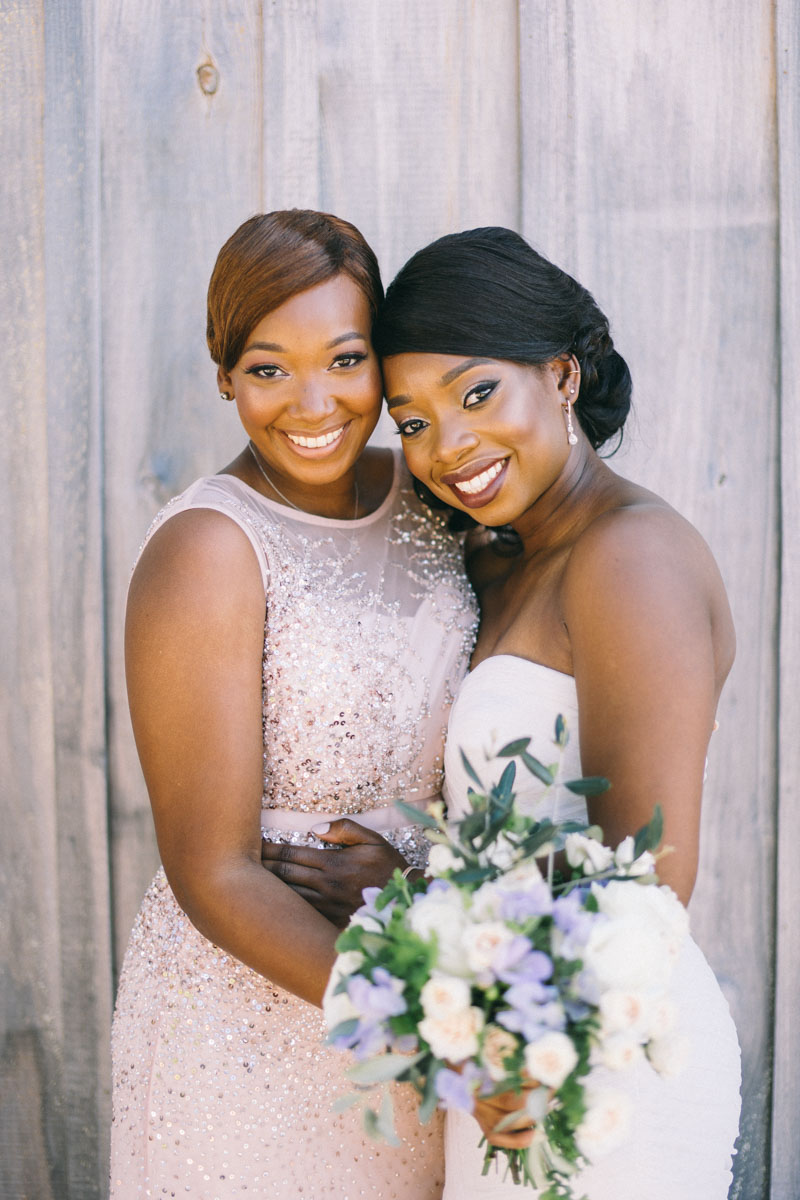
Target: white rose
[
  {"x": 524, "y": 875},
  {"x": 497, "y": 1045},
  {"x": 441, "y": 913},
  {"x": 501, "y": 853},
  {"x": 453, "y": 1038},
  {"x": 669, "y": 1054},
  {"x": 482, "y": 941},
  {"x": 606, "y": 1124},
  {"x": 486, "y": 902},
  {"x": 658, "y": 904},
  {"x": 662, "y": 1017},
  {"x": 587, "y": 853},
  {"x": 625, "y": 1012},
  {"x": 444, "y": 996},
  {"x": 619, "y": 1052},
  {"x": 623, "y": 857},
  {"x": 550, "y": 1059},
  {"x": 441, "y": 859},
  {"x": 627, "y": 955}
]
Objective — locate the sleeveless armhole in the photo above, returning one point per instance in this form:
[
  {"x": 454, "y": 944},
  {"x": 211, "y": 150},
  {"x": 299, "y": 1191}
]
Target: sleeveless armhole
[{"x": 228, "y": 503}]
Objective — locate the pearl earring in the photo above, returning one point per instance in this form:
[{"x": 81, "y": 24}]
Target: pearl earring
[
  {"x": 572, "y": 437},
  {"x": 225, "y": 396}
]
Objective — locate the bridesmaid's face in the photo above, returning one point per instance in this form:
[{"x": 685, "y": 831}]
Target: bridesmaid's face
[
  {"x": 485, "y": 435},
  {"x": 308, "y": 384}
]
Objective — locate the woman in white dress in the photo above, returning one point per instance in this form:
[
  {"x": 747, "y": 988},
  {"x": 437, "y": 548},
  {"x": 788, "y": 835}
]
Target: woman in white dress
[{"x": 598, "y": 601}]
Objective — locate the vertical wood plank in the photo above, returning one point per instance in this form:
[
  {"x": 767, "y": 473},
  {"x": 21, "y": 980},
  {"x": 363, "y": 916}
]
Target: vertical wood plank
[
  {"x": 785, "y": 1180},
  {"x": 32, "y": 1127},
  {"x": 74, "y": 443},
  {"x": 665, "y": 161},
  {"x": 181, "y": 109}
]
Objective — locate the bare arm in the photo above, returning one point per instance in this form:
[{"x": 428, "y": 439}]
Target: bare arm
[
  {"x": 652, "y": 642},
  {"x": 193, "y": 650}
]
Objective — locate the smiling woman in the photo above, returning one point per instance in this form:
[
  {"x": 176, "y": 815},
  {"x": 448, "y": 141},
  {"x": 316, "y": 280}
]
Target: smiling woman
[{"x": 295, "y": 626}]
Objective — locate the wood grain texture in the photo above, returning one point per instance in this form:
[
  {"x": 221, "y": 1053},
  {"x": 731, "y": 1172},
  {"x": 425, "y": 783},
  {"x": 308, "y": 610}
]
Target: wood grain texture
[
  {"x": 786, "y": 1088},
  {"x": 665, "y": 158},
  {"x": 74, "y": 447},
  {"x": 32, "y": 1118},
  {"x": 181, "y": 168}
]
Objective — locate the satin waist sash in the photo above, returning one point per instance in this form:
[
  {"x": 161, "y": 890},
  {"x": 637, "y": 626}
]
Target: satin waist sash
[{"x": 378, "y": 819}]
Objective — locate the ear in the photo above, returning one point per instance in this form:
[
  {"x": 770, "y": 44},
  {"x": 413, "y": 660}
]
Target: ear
[
  {"x": 567, "y": 375},
  {"x": 224, "y": 381}
]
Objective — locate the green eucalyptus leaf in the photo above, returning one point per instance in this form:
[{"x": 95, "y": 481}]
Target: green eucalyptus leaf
[
  {"x": 592, "y": 785},
  {"x": 468, "y": 767},
  {"x": 561, "y": 731},
  {"x": 430, "y": 1100},
  {"x": 385, "y": 1122},
  {"x": 382, "y": 1069},
  {"x": 503, "y": 791},
  {"x": 417, "y": 816},
  {"x": 344, "y": 1102},
  {"x": 343, "y": 1029},
  {"x": 512, "y": 749},
  {"x": 542, "y": 773}
]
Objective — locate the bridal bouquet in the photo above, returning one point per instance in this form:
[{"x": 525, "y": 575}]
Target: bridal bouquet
[{"x": 501, "y": 973}]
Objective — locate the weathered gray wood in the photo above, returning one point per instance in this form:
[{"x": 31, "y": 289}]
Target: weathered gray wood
[
  {"x": 181, "y": 168},
  {"x": 74, "y": 445},
  {"x": 31, "y": 1034},
  {"x": 786, "y": 1093},
  {"x": 664, "y": 162}
]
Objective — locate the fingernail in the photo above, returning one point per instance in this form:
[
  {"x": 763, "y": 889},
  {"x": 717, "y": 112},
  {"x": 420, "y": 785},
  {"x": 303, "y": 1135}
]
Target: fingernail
[{"x": 320, "y": 829}]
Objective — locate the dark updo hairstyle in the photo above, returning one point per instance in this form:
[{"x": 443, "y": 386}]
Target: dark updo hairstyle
[
  {"x": 272, "y": 257},
  {"x": 487, "y": 293}
]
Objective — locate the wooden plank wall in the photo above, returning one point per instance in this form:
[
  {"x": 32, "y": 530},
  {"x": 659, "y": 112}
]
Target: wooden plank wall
[{"x": 652, "y": 151}]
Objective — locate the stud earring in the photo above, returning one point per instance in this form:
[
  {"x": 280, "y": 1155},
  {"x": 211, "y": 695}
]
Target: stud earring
[
  {"x": 572, "y": 437},
  {"x": 225, "y": 396}
]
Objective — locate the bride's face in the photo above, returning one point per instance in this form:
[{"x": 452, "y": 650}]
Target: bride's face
[
  {"x": 308, "y": 386},
  {"x": 485, "y": 435}
]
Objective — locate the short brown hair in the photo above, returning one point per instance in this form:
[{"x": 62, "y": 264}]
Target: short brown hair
[{"x": 272, "y": 257}]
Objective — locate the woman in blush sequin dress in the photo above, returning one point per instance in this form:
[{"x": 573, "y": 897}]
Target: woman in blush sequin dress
[{"x": 295, "y": 626}]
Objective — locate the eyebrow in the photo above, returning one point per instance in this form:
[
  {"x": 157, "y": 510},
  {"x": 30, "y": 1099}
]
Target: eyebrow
[
  {"x": 275, "y": 348},
  {"x": 447, "y": 378}
]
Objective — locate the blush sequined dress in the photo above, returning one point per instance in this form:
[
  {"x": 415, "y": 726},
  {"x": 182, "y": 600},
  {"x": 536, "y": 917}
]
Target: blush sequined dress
[{"x": 222, "y": 1086}]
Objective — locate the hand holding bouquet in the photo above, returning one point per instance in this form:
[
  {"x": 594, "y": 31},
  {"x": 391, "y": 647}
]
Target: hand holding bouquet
[{"x": 500, "y": 975}]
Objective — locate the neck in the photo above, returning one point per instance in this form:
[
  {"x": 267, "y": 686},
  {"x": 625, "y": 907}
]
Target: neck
[
  {"x": 338, "y": 499},
  {"x": 560, "y": 514}
]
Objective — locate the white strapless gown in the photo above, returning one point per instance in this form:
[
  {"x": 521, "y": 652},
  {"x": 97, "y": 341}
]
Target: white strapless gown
[{"x": 683, "y": 1133}]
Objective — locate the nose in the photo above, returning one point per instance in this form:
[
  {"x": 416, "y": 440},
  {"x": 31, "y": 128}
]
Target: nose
[
  {"x": 454, "y": 439},
  {"x": 312, "y": 401}
]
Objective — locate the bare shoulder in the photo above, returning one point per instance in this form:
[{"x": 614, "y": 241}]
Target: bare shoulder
[
  {"x": 197, "y": 558},
  {"x": 645, "y": 566}
]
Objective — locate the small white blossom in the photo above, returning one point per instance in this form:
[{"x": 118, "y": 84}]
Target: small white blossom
[
  {"x": 587, "y": 853},
  {"x": 662, "y": 1017},
  {"x": 482, "y": 941},
  {"x": 441, "y": 859},
  {"x": 606, "y": 1124},
  {"x": 625, "y": 1012},
  {"x": 497, "y": 1045},
  {"x": 619, "y": 1052},
  {"x": 445, "y": 995},
  {"x": 550, "y": 1059},
  {"x": 441, "y": 914},
  {"x": 453, "y": 1038},
  {"x": 669, "y": 1054},
  {"x": 623, "y": 857}
]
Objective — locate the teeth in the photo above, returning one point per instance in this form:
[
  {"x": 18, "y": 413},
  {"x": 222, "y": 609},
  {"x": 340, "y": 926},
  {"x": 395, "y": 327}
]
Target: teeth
[
  {"x": 479, "y": 482},
  {"x": 312, "y": 443}
]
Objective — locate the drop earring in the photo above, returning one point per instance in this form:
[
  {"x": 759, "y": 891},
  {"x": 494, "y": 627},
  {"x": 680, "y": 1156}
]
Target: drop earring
[{"x": 572, "y": 436}]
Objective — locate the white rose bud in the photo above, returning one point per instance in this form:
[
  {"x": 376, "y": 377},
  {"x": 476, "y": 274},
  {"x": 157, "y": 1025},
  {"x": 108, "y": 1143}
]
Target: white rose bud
[
  {"x": 620, "y": 1052},
  {"x": 606, "y": 1124},
  {"x": 453, "y": 1038},
  {"x": 481, "y": 942},
  {"x": 441, "y": 859},
  {"x": 441, "y": 914},
  {"x": 587, "y": 853},
  {"x": 625, "y": 1012},
  {"x": 662, "y": 1018},
  {"x": 444, "y": 995},
  {"x": 669, "y": 1054},
  {"x": 497, "y": 1045},
  {"x": 550, "y": 1059}
]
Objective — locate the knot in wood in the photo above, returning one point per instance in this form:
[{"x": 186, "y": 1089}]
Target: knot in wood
[{"x": 208, "y": 78}]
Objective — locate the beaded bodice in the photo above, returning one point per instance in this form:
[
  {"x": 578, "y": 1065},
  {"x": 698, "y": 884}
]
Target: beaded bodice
[{"x": 369, "y": 627}]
